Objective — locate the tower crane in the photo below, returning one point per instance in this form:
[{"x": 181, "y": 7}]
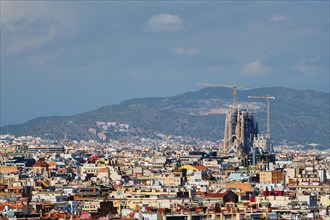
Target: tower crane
[
  {"x": 234, "y": 86},
  {"x": 268, "y": 97}
]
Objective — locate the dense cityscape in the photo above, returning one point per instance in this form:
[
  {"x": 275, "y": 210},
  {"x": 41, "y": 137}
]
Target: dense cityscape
[
  {"x": 244, "y": 177},
  {"x": 164, "y": 110}
]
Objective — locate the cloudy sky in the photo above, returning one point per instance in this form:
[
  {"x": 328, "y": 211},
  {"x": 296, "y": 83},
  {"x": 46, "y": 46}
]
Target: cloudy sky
[{"x": 62, "y": 58}]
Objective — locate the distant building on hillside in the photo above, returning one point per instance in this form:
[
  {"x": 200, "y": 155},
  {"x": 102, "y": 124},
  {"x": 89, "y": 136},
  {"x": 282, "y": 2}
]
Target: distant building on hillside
[{"x": 46, "y": 149}]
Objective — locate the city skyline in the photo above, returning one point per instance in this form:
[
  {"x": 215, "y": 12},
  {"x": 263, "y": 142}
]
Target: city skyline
[{"x": 62, "y": 58}]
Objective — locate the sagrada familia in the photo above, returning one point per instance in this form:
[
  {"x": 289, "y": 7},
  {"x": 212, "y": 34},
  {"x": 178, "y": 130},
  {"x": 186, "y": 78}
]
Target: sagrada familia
[
  {"x": 242, "y": 138},
  {"x": 240, "y": 130}
]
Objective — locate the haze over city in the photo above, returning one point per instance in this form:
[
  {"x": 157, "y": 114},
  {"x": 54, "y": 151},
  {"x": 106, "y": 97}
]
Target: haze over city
[{"x": 62, "y": 58}]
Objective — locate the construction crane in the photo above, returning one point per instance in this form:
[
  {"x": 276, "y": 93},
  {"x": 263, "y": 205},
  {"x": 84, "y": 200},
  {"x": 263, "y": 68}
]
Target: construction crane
[
  {"x": 234, "y": 86},
  {"x": 268, "y": 97}
]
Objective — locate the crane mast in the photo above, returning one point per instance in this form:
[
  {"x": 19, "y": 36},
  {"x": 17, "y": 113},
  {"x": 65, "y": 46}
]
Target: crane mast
[{"x": 268, "y": 98}]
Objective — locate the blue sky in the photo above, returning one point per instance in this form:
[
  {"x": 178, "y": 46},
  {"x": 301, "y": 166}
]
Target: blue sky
[{"x": 67, "y": 57}]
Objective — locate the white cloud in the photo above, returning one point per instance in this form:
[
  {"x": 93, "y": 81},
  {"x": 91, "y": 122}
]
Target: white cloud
[
  {"x": 279, "y": 17},
  {"x": 165, "y": 22},
  {"x": 254, "y": 68},
  {"x": 24, "y": 34},
  {"x": 31, "y": 25},
  {"x": 308, "y": 66},
  {"x": 185, "y": 51}
]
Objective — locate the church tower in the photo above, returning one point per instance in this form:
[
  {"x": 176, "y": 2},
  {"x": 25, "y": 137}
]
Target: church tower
[{"x": 240, "y": 129}]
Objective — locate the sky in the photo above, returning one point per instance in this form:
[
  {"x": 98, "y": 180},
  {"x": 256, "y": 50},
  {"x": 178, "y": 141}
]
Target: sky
[{"x": 68, "y": 57}]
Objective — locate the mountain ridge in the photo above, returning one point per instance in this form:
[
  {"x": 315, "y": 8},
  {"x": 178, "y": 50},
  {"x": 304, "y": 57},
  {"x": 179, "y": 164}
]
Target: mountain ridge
[{"x": 299, "y": 116}]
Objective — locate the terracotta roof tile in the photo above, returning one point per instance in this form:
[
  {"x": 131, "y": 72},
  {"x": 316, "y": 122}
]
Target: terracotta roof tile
[{"x": 199, "y": 167}]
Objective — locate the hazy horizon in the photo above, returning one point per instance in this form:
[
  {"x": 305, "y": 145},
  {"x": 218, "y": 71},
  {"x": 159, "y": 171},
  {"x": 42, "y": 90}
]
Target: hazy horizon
[{"x": 108, "y": 104}]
